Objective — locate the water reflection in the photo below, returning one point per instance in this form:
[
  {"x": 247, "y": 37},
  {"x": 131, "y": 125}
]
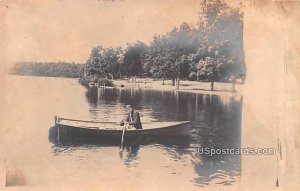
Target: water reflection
[
  {"x": 131, "y": 153},
  {"x": 215, "y": 119}
]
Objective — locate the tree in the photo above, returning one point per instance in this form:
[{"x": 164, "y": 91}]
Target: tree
[
  {"x": 180, "y": 69},
  {"x": 211, "y": 52},
  {"x": 51, "y": 69},
  {"x": 132, "y": 62},
  {"x": 221, "y": 37},
  {"x": 95, "y": 65},
  {"x": 167, "y": 54},
  {"x": 112, "y": 59},
  {"x": 208, "y": 68},
  {"x": 104, "y": 62},
  {"x": 193, "y": 61}
]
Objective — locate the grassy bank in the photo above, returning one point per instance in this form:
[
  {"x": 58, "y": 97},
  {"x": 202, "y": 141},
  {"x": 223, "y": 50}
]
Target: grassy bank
[{"x": 188, "y": 86}]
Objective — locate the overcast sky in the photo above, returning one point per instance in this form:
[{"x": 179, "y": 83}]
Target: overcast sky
[{"x": 66, "y": 30}]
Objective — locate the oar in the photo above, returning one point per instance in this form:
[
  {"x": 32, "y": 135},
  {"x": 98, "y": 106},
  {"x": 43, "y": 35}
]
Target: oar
[{"x": 122, "y": 140}]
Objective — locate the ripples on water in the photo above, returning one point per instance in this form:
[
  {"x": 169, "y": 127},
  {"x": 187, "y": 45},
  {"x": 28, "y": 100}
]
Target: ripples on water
[{"x": 216, "y": 123}]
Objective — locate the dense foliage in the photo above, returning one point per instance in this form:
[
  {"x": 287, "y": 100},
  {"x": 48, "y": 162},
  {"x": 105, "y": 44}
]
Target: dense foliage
[
  {"x": 49, "y": 69},
  {"x": 212, "y": 51}
]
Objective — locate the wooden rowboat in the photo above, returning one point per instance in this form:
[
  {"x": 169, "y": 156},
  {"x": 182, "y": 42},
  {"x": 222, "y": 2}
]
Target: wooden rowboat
[{"x": 92, "y": 129}]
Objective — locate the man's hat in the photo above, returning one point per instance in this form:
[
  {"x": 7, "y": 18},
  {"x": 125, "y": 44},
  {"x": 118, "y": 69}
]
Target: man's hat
[{"x": 128, "y": 107}]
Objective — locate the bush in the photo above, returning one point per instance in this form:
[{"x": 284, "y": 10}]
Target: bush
[
  {"x": 83, "y": 81},
  {"x": 105, "y": 82},
  {"x": 101, "y": 81}
]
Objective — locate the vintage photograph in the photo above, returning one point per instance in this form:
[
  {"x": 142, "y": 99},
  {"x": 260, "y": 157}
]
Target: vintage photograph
[{"x": 148, "y": 95}]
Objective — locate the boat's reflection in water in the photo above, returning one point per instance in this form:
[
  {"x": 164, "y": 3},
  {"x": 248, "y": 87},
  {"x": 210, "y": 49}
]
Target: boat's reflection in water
[
  {"x": 215, "y": 123},
  {"x": 130, "y": 145}
]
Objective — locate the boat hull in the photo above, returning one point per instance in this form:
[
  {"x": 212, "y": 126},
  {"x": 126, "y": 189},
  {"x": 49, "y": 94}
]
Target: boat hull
[{"x": 74, "y": 131}]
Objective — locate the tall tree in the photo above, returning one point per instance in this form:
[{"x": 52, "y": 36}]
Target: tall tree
[
  {"x": 220, "y": 33},
  {"x": 132, "y": 62},
  {"x": 105, "y": 62}
]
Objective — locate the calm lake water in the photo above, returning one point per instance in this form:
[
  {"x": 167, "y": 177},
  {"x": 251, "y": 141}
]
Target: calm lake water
[{"x": 215, "y": 119}]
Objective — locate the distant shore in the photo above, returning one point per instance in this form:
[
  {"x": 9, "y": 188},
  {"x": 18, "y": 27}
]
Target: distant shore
[{"x": 186, "y": 86}]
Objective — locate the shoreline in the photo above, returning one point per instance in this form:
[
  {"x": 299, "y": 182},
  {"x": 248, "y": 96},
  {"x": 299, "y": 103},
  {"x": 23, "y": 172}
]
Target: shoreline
[{"x": 185, "y": 86}]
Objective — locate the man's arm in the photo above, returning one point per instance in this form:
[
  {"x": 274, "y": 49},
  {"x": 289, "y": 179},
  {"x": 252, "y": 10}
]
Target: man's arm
[{"x": 126, "y": 119}]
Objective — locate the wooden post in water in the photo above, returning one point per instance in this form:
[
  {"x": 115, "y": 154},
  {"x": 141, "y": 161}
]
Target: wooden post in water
[
  {"x": 58, "y": 133},
  {"x": 56, "y": 119}
]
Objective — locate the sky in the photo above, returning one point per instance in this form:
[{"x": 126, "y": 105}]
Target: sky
[{"x": 66, "y": 30}]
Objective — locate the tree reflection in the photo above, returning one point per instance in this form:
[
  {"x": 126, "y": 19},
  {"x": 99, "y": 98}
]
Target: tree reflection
[{"x": 215, "y": 120}]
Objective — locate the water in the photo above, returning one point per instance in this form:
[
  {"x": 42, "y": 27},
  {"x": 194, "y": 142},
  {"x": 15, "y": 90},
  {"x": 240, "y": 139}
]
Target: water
[{"x": 215, "y": 119}]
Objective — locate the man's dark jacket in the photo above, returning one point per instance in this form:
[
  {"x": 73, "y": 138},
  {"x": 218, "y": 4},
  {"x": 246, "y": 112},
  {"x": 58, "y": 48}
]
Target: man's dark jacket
[{"x": 133, "y": 118}]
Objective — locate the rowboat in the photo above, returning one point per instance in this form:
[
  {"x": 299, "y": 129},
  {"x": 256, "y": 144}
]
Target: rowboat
[{"x": 95, "y": 129}]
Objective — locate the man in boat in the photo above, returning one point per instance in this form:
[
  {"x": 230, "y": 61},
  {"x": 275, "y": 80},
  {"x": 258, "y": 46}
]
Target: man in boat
[{"x": 132, "y": 118}]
